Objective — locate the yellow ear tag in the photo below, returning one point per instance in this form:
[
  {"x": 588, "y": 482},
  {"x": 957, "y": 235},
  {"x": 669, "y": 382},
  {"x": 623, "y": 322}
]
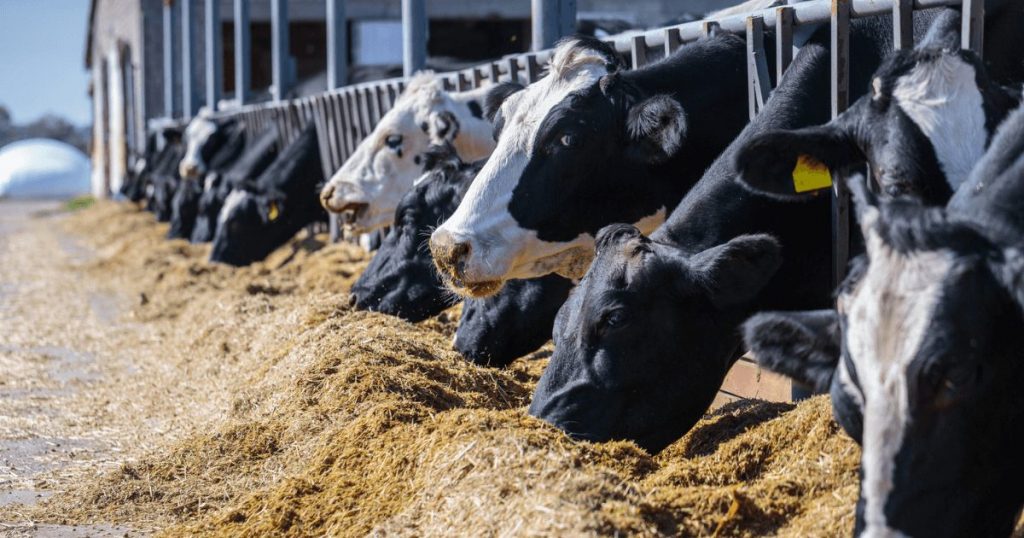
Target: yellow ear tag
[
  {"x": 810, "y": 175},
  {"x": 274, "y": 212}
]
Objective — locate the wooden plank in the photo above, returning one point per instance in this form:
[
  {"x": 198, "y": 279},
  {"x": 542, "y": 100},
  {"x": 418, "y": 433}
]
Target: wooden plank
[{"x": 748, "y": 380}]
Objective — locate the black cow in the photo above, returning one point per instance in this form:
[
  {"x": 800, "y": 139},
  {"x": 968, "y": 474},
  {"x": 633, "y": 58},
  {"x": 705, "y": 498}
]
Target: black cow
[
  {"x": 644, "y": 342},
  {"x": 401, "y": 279},
  {"x": 257, "y": 156},
  {"x": 162, "y": 182},
  {"x": 260, "y": 217},
  {"x": 218, "y": 151},
  {"x": 929, "y": 116},
  {"x": 588, "y": 145},
  {"x": 924, "y": 356}
]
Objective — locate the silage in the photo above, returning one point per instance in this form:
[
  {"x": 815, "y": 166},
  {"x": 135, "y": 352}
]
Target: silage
[{"x": 345, "y": 423}]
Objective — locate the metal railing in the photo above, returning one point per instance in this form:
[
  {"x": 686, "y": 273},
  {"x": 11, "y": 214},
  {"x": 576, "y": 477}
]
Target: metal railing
[{"x": 347, "y": 115}]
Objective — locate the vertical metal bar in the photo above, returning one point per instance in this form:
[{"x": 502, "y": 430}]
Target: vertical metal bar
[
  {"x": 513, "y": 70},
  {"x": 709, "y": 28},
  {"x": 354, "y": 133},
  {"x": 550, "y": 20},
  {"x": 758, "y": 87},
  {"x": 243, "y": 52},
  {"x": 840, "y": 59},
  {"x": 783, "y": 41},
  {"x": 189, "y": 92},
  {"x": 672, "y": 41},
  {"x": 462, "y": 82},
  {"x": 170, "y": 74},
  {"x": 479, "y": 75},
  {"x": 214, "y": 55},
  {"x": 972, "y": 33},
  {"x": 532, "y": 68},
  {"x": 495, "y": 73},
  {"x": 337, "y": 44},
  {"x": 372, "y": 106},
  {"x": 414, "y": 36},
  {"x": 279, "y": 57},
  {"x": 903, "y": 24},
  {"x": 639, "y": 56}
]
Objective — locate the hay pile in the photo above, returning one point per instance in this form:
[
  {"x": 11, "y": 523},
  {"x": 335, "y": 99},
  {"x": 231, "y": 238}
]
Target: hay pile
[{"x": 333, "y": 422}]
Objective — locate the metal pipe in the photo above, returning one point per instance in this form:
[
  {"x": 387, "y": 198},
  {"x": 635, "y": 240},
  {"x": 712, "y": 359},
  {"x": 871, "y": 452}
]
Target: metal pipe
[
  {"x": 189, "y": 92},
  {"x": 170, "y": 74},
  {"x": 243, "y": 52},
  {"x": 279, "y": 57},
  {"x": 337, "y": 44},
  {"x": 214, "y": 55},
  {"x": 414, "y": 36}
]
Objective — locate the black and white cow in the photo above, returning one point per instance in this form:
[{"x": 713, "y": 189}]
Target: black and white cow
[
  {"x": 163, "y": 180},
  {"x": 644, "y": 342},
  {"x": 222, "y": 147},
  {"x": 929, "y": 115},
  {"x": 924, "y": 354},
  {"x": 587, "y": 145},
  {"x": 260, "y": 217},
  {"x": 159, "y": 142},
  {"x": 371, "y": 183},
  {"x": 258, "y": 154},
  {"x": 401, "y": 279}
]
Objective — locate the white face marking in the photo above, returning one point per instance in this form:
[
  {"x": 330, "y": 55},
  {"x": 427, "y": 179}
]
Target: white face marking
[
  {"x": 199, "y": 130},
  {"x": 234, "y": 198},
  {"x": 375, "y": 174},
  {"x": 503, "y": 249},
  {"x": 943, "y": 100},
  {"x": 888, "y": 313}
]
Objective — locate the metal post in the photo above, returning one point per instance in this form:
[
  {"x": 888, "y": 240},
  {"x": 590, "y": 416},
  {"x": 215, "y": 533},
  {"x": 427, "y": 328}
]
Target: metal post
[
  {"x": 243, "y": 52},
  {"x": 783, "y": 41},
  {"x": 279, "y": 57},
  {"x": 533, "y": 70},
  {"x": 414, "y": 36},
  {"x": 170, "y": 74},
  {"x": 639, "y": 56},
  {"x": 189, "y": 92},
  {"x": 757, "y": 66},
  {"x": 672, "y": 41},
  {"x": 551, "y": 19},
  {"x": 337, "y": 44},
  {"x": 903, "y": 24},
  {"x": 840, "y": 59},
  {"x": 214, "y": 55},
  {"x": 972, "y": 32}
]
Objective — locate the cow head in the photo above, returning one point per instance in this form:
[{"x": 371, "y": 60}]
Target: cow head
[
  {"x": 251, "y": 224},
  {"x": 922, "y": 126},
  {"x": 925, "y": 370},
  {"x": 400, "y": 279},
  {"x": 373, "y": 180},
  {"x": 499, "y": 329},
  {"x": 204, "y": 136},
  {"x": 571, "y": 148},
  {"x": 645, "y": 340}
]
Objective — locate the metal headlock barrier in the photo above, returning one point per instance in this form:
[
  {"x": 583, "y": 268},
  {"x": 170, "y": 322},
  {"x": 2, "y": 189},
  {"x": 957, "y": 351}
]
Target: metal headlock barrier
[{"x": 345, "y": 116}]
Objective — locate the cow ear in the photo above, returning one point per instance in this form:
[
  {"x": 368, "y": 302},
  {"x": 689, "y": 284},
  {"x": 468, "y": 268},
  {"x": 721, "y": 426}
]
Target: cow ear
[
  {"x": 442, "y": 127},
  {"x": 1010, "y": 273},
  {"x": 804, "y": 346},
  {"x": 736, "y": 272},
  {"x": 656, "y": 128},
  {"x": 792, "y": 164},
  {"x": 496, "y": 96}
]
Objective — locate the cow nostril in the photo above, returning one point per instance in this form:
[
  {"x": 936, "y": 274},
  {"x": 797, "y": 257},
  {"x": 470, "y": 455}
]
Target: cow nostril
[{"x": 326, "y": 195}]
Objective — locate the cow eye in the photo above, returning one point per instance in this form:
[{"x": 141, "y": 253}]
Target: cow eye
[
  {"x": 567, "y": 140},
  {"x": 394, "y": 141},
  {"x": 611, "y": 320}
]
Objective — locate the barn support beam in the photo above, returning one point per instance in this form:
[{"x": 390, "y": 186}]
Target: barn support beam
[
  {"x": 243, "y": 51},
  {"x": 758, "y": 79},
  {"x": 189, "y": 91},
  {"x": 551, "y": 20},
  {"x": 170, "y": 74},
  {"x": 973, "y": 25},
  {"x": 337, "y": 44},
  {"x": 214, "y": 55},
  {"x": 414, "y": 36},
  {"x": 280, "y": 59}
]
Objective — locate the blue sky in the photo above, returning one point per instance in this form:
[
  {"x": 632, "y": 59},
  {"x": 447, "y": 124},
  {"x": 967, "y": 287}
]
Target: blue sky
[{"x": 42, "y": 50}]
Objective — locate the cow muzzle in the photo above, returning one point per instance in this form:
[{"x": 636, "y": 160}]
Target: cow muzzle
[
  {"x": 189, "y": 170},
  {"x": 451, "y": 256}
]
